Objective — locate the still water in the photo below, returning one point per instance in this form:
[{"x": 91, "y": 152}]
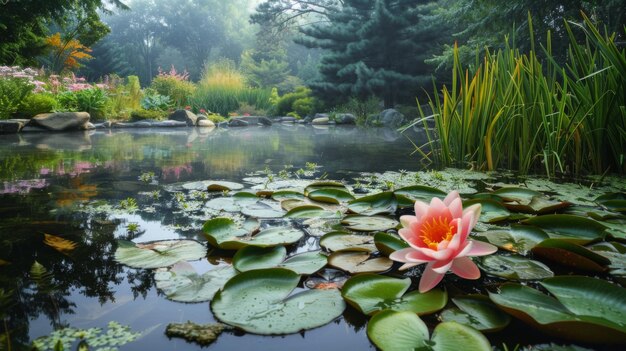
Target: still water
[{"x": 71, "y": 184}]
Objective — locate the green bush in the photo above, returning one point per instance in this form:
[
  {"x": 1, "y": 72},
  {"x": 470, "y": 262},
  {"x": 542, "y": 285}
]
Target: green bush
[
  {"x": 301, "y": 102},
  {"x": 156, "y": 101},
  {"x": 94, "y": 101},
  {"x": 362, "y": 109},
  {"x": 180, "y": 91},
  {"x": 35, "y": 104},
  {"x": 134, "y": 92},
  {"x": 141, "y": 115},
  {"x": 12, "y": 92},
  {"x": 215, "y": 118}
]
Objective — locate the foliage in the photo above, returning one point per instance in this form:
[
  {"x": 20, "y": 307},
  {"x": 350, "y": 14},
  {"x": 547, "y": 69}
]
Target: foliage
[
  {"x": 35, "y": 104},
  {"x": 519, "y": 114},
  {"x": 179, "y": 90},
  {"x": 301, "y": 102},
  {"x": 134, "y": 92},
  {"x": 156, "y": 101},
  {"x": 143, "y": 114},
  {"x": 360, "y": 108},
  {"x": 12, "y": 92},
  {"x": 93, "y": 100},
  {"x": 66, "y": 53},
  {"x": 62, "y": 339}
]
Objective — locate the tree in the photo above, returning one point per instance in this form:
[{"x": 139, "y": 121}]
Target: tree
[
  {"x": 374, "y": 48},
  {"x": 24, "y": 25},
  {"x": 108, "y": 58}
]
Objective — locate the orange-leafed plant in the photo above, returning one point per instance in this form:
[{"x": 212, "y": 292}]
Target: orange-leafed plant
[{"x": 67, "y": 53}]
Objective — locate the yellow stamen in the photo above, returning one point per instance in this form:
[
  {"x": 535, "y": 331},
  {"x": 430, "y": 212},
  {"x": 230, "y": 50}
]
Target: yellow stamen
[{"x": 436, "y": 230}]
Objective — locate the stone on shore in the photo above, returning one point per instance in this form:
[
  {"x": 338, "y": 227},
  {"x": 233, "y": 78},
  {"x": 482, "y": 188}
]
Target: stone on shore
[
  {"x": 184, "y": 116},
  {"x": 11, "y": 126},
  {"x": 61, "y": 120}
]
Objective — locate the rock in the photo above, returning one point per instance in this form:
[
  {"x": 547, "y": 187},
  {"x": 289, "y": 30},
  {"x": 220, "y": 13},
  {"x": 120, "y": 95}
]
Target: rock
[
  {"x": 345, "y": 118},
  {"x": 237, "y": 122},
  {"x": 222, "y": 124},
  {"x": 288, "y": 119},
  {"x": 391, "y": 118},
  {"x": 61, "y": 120},
  {"x": 256, "y": 120},
  {"x": 321, "y": 115},
  {"x": 200, "y": 117},
  {"x": 184, "y": 116},
  {"x": 205, "y": 123},
  {"x": 320, "y": 121},
  {"x": 119, "y": 125},
  {"x": 10, "y": 126},
  {"x": 169, "y": 124},
  {"x": 33, "y": 129},
  {"x": 88, "y": 126}
]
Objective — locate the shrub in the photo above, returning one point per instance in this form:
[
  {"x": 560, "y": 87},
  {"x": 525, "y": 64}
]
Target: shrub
[
  {"x": 156, "y": 101},
  {"x": 12, "y": 92},
  {"x": 215, "y": 118},
  {"x": 35, "y": 104},
  {"x": 94, "y": 101},
  {"x": 134, "y": 92},
  {"x": 180, "y": 91},
  {"x": 289, "y": 102},
  {"x": 142, "y": 114},
  {"x": 361, "y": 108}
]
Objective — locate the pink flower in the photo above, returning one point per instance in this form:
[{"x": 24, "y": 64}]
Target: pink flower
[{"x": 437, "y": 235}]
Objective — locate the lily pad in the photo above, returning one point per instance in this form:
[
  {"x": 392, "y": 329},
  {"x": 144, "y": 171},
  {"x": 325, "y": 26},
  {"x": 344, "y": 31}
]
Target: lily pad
[
  {"x": 328, "y": 184},
  {"x": 359, "y": 262},
  {"x": 182, "y": 283},
  {"x": 370, "y": 293},
  {"x": 408, "y": 195},
  {"x": 226, "y": 234},
  {"x": 539, "y": 204},
  {"x": 262, "y": 209},
  {"x": 478, "y": 312},
  {"x": 158, "y": 254},
  {"x": 310, "y": 211},
  {"x": 521, "y": 196},
  {"x": 582, "y": 309},
  {"x": 369, "y": 223},
  {"x": 387, "y": 243},
  {"x": 515, "y": 267},
  {"x": 281, "y": 195},
  {"x": 579, "y": 230},
  {"x": 519, "y": 238},
  {"x": 571, "y": 255},
  {"x": 342, "y": 241},
  {"x": 491, "y": 211},
  {"x": 381, "y": 203},
  {"x": 399, "y": 331},
  {"x": 330, "y": 195},
  {"x": 259, "y": 302},
  {"x": 212, "y": 185},
  {"x": 250, "y": 257}
]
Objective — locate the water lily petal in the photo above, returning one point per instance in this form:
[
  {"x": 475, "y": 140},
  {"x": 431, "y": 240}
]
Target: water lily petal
[
  {"x": 420, "y": 209},
  {"x": 480, "y": 248},
  {"x": 407, "y": 220},
  {"x": 429, "y": 279},
  {"x": 466, "y": 225},
  {"x": 475, "y": 209},
  {"x": 407, "y": 266},
  {"x": 417, "y": 256},
  {"x": 401, "y": 255},
  {"x": 442, "y": 267},
  {"x": 453, "y": 195},
  {"x": 456, "y": 208},
  {"x": 411, "y": 238},
  {"x": 465, "y": 268}
]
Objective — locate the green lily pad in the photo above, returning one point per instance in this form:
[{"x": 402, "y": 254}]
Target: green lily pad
[
  {"x": 310, "y": 211},
  {"x": 539, "y": 204},
  {"x": 478, "y": 312},
  {"x": 259, "y": 302},
  {"x": 248, "y": 204},
  {"x": 328, "y": 184},
  {"x": 408, "y": 195},
  {"x": 613, "y": 201},
  {"x": 158, "y": 254},
  {"x": 387, "y": 243},
  {"x": 399, "y": 331},
  {"x": 182, "y": 283},
  {"x": 359, "y": 262},
  {"x": 342, "y": 241},
  {"x": 582, "y": 309},
  {"x": 491, "y": 211},
  {"x": 262, "y": 209},
  {"x": 515, "y": 267},
  {"x": 226, "y": 234},
  {"x": 381, "y": 203},
  {"x": 571, "y": 255},
  {"x": 369, "y": 223},
  {"x": 579, "y": 230},
  {"x": 281, "y": 195},
  {"x": 519, "y": 238},
  {"x": 521, "y": 196},
  {"x": 330, "y": 195},
  {"x": 212, "y": 185},
  {"x": 251, "y": 257},
  {"x": 370, "y": 293}
]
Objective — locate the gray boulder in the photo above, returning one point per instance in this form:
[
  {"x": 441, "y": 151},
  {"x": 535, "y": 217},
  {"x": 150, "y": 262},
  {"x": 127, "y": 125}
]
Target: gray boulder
[
  {"x": 287, "y": 119},
  {"x": 11, "y": 126},
  {"x": 388, "y": 118},
  {"x": 184, "y": 116},
  {"x": 237, "y": 122},
  {"x": 61, "y": 120},
  {"x": 169, "y": 124},
  {"x": 206, "y": 123},
  {"x": 345, "y": 118},
  {"x": 320, "y": 121}
]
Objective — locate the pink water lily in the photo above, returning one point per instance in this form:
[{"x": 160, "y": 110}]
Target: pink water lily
[{"x": 438, "y": 236}]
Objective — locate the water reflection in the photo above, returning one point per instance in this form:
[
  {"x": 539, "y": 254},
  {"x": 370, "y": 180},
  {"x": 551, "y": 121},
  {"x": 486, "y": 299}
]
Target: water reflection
[{"x": 46, "y": 180}]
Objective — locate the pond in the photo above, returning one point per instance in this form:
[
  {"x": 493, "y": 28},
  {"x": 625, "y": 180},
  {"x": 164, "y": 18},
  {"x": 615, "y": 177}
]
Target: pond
[{"x": 67, "y": 198}]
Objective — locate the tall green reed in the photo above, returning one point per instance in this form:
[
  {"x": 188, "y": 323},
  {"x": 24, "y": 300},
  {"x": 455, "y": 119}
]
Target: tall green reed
[{"x": 518, "y": 113}]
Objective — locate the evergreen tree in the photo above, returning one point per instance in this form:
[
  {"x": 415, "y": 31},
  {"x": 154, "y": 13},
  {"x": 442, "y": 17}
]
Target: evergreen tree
[
  {"x": 108, "y": 59},
  {"x": 374, "y": 48}
]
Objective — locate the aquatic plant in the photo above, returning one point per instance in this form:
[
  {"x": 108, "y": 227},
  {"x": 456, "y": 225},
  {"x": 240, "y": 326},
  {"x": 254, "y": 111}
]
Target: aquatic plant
[{"x": 438, "y": 236}]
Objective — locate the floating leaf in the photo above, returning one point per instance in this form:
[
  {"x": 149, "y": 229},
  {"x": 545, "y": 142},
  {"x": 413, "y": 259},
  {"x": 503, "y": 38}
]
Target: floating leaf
[
  {"x": 381, "y": 203},
  {"x": 370, "y": 293},
  {"x": 583, "y": 309},
  {"x": 281, "y": 195},
  {"x": 252, "y": 257},
  {"x": 259, "y": 302},
  {"x": 359, "y": 262},
  {"x": 202, "y": 334},
  {"x": 579, "y": 230},
  {"x": 310, "y": 211},
  {"x": 519, "y": 238},
  {"x": 323, "y": 185},
  {"x": 539, "y": 204},
  {"x": 305, "y": 263},
  {"x": 158, "y": 254},
  {"x": 342, "y": 241},
  {"x": 571, "y": 255},
  {"x": 515, "y": 267},
  {"x": 220, "y": 230},
  {"x": 408, "y": 195},
  {"x": 182, "y": 283},
  {"x": 64, "y": 246},
  {"x": 226, "y": 234},
  {"x": 262, "y": 209},
  {"x": 393, "y": 330},
  {"x": 491, "y": 211},
  {"x": 478, "y": 312},
  {"x": 387, "y": 243},
  {"x": 369, "y": 223},
  {"x": 522, "y": 196},
  {"x": 330, "y": 195},
  {"x": 212, "y": 185}
]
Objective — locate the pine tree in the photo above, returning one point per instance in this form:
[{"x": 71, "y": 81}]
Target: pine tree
[
  {"x": 374, "y": 48},
  {"x": 107, "y": 59}
]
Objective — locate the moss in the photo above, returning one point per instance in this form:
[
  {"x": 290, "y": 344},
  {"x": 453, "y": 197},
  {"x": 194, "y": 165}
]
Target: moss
[{"x": 203, "y": 334}]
